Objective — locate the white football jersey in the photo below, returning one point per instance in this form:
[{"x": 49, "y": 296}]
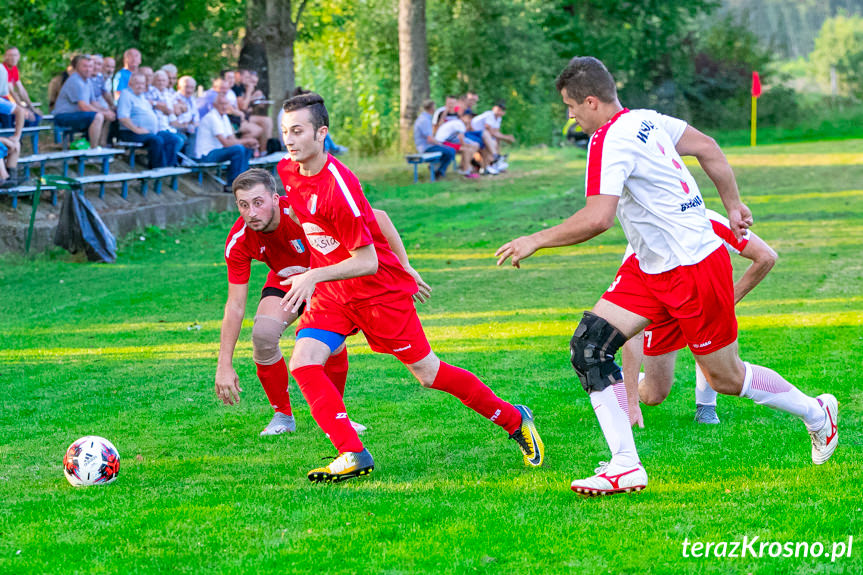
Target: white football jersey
[{"x": 661, "y": 209}]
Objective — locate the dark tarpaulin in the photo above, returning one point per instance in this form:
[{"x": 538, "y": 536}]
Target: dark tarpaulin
[{"x": 81, "y": 228}]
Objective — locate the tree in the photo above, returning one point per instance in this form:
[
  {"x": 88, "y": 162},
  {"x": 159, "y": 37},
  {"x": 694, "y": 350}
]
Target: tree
[
  {"x": 274, "y": 24},
  {"x": 839, "y": 45},
  {"x": 413, "y": 65}
]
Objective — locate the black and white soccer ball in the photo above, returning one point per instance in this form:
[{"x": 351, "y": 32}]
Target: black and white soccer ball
[{"x": 91, "y": 460}]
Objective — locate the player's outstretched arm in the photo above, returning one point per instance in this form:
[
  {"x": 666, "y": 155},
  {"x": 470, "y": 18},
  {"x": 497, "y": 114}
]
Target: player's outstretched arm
[
  {"x": 594, "y": 218},
  {"x": 227, "y": 381},
  {"x": 763, "y": 259},
  {"x": 388, "y": 229},
  {"x": 716, "y": 166},
  {"x": 363, "y": 262}
]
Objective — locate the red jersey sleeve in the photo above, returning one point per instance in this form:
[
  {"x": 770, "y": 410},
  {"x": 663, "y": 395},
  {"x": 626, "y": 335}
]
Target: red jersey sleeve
[
  {"x": 238, "y": 260},
  {"x": 346, "y": 208}
]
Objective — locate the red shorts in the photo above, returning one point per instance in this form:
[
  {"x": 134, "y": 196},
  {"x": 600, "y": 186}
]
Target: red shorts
[
  {"x": 662, "y": 338},
  {"x": 698, "y": 299},
  {"x": 390, "y": 327},
  {"x": 455, "y": 147}
]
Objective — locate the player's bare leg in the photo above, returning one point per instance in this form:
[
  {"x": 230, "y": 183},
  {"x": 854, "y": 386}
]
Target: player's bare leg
[
  {"x": 631, "y": 356},
  {"x": 599, "y": 335},
  {"x": 270, "y": 322},
  {"x": 328, "y": 410},
  {"x": 517, "y": 420},
  {"x": 658, "y": 378},
  {"x": 729, "y": 375}
]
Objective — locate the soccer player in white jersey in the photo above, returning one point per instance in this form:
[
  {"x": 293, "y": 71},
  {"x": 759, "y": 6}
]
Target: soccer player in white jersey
[
  {"x": 682, "y": 272},
  {"x": 656, "y": 347}
]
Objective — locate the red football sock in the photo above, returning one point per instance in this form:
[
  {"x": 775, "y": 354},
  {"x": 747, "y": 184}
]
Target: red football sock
[
  {"x": 327, "y": 407},
  {"x": 274, "y": 378},
  {"x": 477, "y": 396},
  {"x": 336, "y": 369}
]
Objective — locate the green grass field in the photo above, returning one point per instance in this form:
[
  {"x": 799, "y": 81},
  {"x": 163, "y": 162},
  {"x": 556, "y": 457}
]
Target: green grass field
[{"x": 127, "y": 351}]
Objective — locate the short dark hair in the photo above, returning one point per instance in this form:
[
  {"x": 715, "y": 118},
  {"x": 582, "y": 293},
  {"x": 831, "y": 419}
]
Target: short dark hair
[
  {"x": 314, "y": 103},
  {"x": 252, "y": 177},
  {"x": 586, "y": 76},
  {"x": 501, "y": 104},
  {"x": 225, "y": 72}
]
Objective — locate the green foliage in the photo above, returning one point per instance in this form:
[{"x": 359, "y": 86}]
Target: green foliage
[
  {"x": 839, "y": 45},
  {"x": 193, "y": 34}
]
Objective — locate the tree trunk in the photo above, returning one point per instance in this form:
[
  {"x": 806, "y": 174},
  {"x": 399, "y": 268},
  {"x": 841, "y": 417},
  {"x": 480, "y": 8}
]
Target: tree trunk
[
  {"x": 413, "y": 66},
  {"x": 273, "y": 24}
]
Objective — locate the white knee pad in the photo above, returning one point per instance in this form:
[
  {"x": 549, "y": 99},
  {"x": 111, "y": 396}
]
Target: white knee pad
[{"x": 266, "y": 333}]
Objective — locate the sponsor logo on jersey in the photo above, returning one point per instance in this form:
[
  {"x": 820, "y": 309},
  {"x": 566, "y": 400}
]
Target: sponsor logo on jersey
[
  {"x": 287, "y": 189},
  {"x": 263, "y": 248},
  {"x": 693, "y": 203},
  {"x": 313, "y": 203},
  {"x": 318, "y": 239},
  {"x": 644, "y": 131},
  {"x": 311, "y": 228},
  {"x": 700, "y": 345},
  {"x": 298, "y": 246}
]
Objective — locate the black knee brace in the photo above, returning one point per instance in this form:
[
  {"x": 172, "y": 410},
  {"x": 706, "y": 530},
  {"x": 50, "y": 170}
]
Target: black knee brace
[{"x": 592, "y": 350}]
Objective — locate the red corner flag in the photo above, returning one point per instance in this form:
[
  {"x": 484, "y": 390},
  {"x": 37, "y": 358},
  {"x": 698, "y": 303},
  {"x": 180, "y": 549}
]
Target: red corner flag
[{"x": 756, "y": 85}]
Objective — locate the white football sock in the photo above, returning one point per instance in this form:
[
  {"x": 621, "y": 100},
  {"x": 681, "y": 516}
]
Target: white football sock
[
  {"x": 704, "y": 394},
  {"x": 766, "y": 387},
  {"x": 610, "y": 407}
]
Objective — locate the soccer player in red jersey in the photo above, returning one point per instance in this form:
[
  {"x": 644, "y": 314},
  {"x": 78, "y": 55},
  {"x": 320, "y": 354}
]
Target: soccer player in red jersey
[
  {"x": 264, "y": 232},
  {"x": 356, "y": 282},
  {"x": 635, "y": 173}
]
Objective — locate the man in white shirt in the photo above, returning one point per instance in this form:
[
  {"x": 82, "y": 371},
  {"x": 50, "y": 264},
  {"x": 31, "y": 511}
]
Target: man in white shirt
[
  {"x": 489, "y": 121},
  {"x": 216, "y": 141},
  {"x": 451, "y": 134},
  {"x": 681, "y": 270}
]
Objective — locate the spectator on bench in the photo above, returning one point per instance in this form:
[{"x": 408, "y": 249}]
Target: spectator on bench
[
  {"x": 108, "y": 67},
  {"x": 148, "y": 77},
  {"x": 76, "y": 108},
  {"x": 451, "y": 133},
  {"x": 9, "y": 151},
  {"x": 216, "y": 142},
  {"x": 171, "y": 71},
  {"x": 490, "y": 122},
  {"x": 425, "y": 141},
  {"x": 187, "y": 119},
  {"x": 445, "y": 112},
  {"x": 101, "y": 97},
  {"x": 10, "y": 112},
  {"x": 138, "y": 123},
  {"x": 17, "y": 92},
  {"x": 164, "y": 103},
  {"x": 131, "y": 62}
]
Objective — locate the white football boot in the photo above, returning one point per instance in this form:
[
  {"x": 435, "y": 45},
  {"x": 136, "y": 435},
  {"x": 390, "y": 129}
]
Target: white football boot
[
  {"x": 280, "y": 424},
  {"x": 824, "y": 440},
  {"x": 612, "y": 479}
]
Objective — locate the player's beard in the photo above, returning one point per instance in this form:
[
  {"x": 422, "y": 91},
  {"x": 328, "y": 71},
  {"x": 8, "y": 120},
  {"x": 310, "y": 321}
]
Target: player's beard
[{"x": 263, "y": 226}]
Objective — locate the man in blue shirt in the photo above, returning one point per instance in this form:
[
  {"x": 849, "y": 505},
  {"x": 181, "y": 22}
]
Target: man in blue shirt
[
  {"x": 75, "y": 107},
  {"x": 425, "y": 141},
  {"x": 138, "y": 123}
]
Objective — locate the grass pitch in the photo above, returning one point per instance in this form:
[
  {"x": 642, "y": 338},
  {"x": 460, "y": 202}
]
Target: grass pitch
[{"x": 128, "y": 351}]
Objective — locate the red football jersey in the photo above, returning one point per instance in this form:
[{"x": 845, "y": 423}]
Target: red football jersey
[
  {"x": 338, "y": 219},
  {"x": 283, "y": 250}
]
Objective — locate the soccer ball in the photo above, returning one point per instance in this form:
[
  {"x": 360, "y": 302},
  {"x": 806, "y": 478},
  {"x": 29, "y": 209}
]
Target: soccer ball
[{"x": 91, "y": 460}]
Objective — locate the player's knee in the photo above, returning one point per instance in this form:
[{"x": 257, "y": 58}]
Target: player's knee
[
  {"x": 651, "y": 395},
  {"x": 724, "y": 379},
  {"x": 592, "y": 350},
  {"x": 265, "y": 339}
]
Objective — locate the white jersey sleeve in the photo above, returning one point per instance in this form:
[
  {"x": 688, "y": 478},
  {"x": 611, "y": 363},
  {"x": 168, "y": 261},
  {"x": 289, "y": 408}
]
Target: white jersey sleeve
[
  {"x": 607, "y": 172},
  {"x": 674, "y": 127}
]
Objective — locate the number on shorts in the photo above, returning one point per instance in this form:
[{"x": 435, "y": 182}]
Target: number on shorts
[
  {"x": 614, "y": 283},
  {"x": 648, "y": 336}
]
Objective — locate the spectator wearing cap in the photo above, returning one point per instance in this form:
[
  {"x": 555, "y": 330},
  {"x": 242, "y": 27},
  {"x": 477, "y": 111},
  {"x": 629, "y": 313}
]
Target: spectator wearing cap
[
  {"x": 17, "y": 92},
  {"x": 215, "y": 141},
  {"x": 76, "y": 106},
  {"x": 425, "y": 141},
  {"x": 138, "y": 123}
]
